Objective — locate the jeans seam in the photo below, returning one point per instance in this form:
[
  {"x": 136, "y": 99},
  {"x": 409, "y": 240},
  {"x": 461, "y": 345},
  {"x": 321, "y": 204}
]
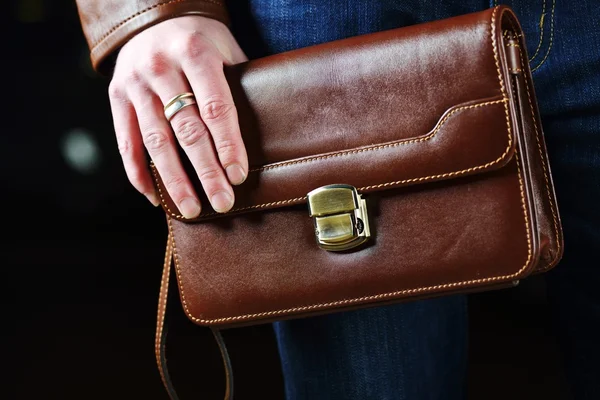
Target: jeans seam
[
  {"x": 551, "y": 39},
  {"x": 541, "y": 39},
  {"x": 539, "y": 46}
]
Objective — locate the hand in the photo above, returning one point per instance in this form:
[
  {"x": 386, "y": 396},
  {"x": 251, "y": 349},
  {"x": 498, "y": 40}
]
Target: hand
[{"x": 184, "y": 54}]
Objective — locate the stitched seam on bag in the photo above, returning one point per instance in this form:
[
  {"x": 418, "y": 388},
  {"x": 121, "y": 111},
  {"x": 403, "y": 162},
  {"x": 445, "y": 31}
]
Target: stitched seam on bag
[
  {"x": 178, "y": 271},
  {"x": 364, "y": 298},
  {"x": 137, "y": 14},
  {"x": 545, "y": 169},
  {"x": 506, "y": 33},
  {"x": 372, "y": 148},
  {"x": 383, "y": 295},
  {"x": 394, "y": 143},
  {"x": 174, "y": 215},
  {"x": 164, "y": 287},
  {"x": 551, "y": 38},
  {"x": 539, "y": 46}
]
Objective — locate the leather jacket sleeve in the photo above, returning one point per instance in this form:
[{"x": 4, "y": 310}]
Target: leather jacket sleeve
[{"x": 109, "y": 24}]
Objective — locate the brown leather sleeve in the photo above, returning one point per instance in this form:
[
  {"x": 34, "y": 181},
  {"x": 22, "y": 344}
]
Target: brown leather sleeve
[{"x": 109, "y": 24}]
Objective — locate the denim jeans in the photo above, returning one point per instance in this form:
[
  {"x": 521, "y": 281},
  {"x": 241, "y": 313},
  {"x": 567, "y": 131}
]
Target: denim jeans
[{"x": 418, "y": 350}]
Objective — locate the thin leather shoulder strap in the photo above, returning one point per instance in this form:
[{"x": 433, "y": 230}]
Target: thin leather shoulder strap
[{"x": 161, "y": 333}]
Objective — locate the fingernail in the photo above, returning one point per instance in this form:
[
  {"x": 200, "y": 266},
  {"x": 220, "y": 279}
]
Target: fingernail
[
  {"x": 153, "y": 198},
  {"x": 221, "y": 201},
  {"x": 189, "y": 207},
  {"x": 236, "y": 174}
]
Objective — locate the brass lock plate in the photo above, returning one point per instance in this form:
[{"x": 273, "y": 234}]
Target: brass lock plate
[{"x": 340, "y": 217}]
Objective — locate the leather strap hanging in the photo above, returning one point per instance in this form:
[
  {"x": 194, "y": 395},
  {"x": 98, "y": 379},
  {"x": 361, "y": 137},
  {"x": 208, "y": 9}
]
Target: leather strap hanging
[{"x": 161, "y": 333}]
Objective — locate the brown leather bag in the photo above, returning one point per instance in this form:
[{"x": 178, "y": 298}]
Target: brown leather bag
[{"x": 392, "y": 166}]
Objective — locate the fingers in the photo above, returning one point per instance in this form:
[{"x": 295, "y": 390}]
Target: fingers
[
  {"x": 130, "y": 144},
  {"x": 148, "y": 73},
  {"x": 158, "y": 139},
  {"x": 219, "y": 114},
  {"x": 195, "y": 139}
]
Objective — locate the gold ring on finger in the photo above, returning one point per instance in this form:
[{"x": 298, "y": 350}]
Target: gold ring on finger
[{"x": 178, "y": 103}]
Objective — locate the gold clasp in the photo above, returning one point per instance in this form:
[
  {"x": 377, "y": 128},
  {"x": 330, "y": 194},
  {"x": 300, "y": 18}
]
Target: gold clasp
[{"x": 340, "y": 216}]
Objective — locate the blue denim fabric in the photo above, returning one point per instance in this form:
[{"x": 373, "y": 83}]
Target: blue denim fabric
[
  {"x": 410, "y": 351},
  {"x": 418, "y": 350},
  {"x": 567, "y": 82}
]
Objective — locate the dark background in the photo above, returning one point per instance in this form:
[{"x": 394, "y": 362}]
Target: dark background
[{"x": 83, "y": 255}]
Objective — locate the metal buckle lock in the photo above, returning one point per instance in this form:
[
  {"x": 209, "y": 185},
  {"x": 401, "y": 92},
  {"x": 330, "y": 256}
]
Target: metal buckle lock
[{"x": 340, "y": 216}]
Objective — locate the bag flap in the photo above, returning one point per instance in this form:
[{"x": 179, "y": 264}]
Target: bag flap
[{"x": 399, "y": 107}]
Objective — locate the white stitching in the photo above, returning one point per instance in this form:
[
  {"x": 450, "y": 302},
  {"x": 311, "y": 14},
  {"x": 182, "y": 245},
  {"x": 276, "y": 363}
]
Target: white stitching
[
  {"x": 544, "y": 168},
  {"x": 394, "y": 143},
  {"x": 162, "y": 307},
  {"x": 364, "y": 298},
  {"x": 371, "y": 148}
]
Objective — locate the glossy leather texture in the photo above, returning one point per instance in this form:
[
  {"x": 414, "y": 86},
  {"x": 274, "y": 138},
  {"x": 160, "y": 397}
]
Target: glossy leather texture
[
  {"x": 435, "y": 124},
  {"x": 109, "y": 24}
]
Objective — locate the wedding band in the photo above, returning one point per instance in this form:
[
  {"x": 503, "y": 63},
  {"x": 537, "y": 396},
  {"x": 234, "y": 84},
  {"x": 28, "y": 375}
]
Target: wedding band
[{"x": 178, "y": 103}]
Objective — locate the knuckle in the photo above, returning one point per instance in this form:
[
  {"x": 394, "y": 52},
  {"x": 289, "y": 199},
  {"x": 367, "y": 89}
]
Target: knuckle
[
  {"x": 155, "y": 140},
  {"x": 226, "y": 147},
  {"x": 209, "y": 173},
  {"x": 216, "y": 109},
  {"x": 190, "y": 131},
  {"x": 192, "y": 46},
  {"x": 176, "y": 186},
  {"x": 156, "y": 64},
  {"x": 133, "y": 78},
  {"x": 124, "y": 147},
  {"x": 115, "y": 91}
]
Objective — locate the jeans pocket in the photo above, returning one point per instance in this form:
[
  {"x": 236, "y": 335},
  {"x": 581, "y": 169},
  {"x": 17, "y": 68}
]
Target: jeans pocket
[{"x": 538, "y": 19}]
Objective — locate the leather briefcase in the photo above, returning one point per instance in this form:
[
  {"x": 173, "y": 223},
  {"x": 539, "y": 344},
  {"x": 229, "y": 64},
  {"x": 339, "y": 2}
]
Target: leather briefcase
[{"x": 386, "y": 167}]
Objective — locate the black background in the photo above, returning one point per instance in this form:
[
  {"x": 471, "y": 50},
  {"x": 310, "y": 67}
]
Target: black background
[{"x": 83, "y": 253}]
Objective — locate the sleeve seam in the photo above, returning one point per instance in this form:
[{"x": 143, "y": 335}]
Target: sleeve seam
[{"x": 137, "y": 14}]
